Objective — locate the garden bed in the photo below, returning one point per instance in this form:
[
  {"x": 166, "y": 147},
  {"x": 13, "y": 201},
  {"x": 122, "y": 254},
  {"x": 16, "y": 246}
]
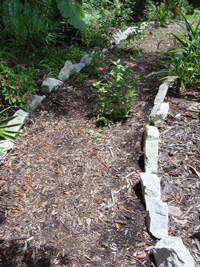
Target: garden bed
[{"x": 70, "y": 191}]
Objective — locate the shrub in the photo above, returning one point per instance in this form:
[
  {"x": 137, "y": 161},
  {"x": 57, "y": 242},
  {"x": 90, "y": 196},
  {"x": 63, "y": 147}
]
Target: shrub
[{"x": 115, "y": 93}]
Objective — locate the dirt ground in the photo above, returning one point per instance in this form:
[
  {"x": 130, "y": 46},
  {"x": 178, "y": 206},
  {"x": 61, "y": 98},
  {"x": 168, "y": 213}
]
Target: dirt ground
[{"x": 70, "y": 191}]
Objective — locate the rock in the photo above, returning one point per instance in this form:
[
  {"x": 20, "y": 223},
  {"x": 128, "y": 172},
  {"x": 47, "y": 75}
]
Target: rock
[
  {"x": 171, "y": 252},
  {"x": 105, "y": 50},
  {"x": 162, "y": 91},
  {"x": 159, "y": 113},
  {"x": 157, "y": 211},
  {"x": 21, "y": 117},
  {"x": 151, "y": 137},
  {"x": 96, "y": 259},
  {"x": 66, "y": 71},
  {"x": 79, "y": 66},
  {"x": 86, "y": 60},
  {"x": 50, "y": 84},
  {"x": 5, "y": 146},
  {"x": 34, "y": 103}
]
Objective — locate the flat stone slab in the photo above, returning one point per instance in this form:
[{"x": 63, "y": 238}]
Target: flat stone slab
[
  {"x": 159, "y": 113},
  {"x": 50, "y": 84},
  {"x": 34, "y": 103},
  {"x": 162, "y": 91},
  {"x": 157, "y": 211},
  {"x": 67, "y": 71},
  {"x": 171, "y": 252},
  {"x": 151, "y": 138}
]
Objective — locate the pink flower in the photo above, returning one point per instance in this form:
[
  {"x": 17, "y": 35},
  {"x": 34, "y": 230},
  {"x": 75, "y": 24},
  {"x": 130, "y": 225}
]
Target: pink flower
[
  {"x": 6, "y": 61},
  {"x": 17, "y": 97},
  {"x": 20, "y": 66},
  {"x": 96, "y": 47},
  {"x": 24, "y": 101},
  {"x": 10, "y": 94},
  {"x": 30, "y": 96},
  {"x": 100, "y": 68},
  {"x": 17, "y": 87},
  {"x": 107, "y": 17},
  {"x": 34, "y": 92},
  {"x": 36, "y": 89},
  {"x": 130, "y": 64},
  {"x": 153, "y": 19},
  {"x": 6, "y": 84},
  {"x": 107, "y": 76},
  {"x": 95, "y": 26},
  {"x": 139, "y": 42},
  {"x": 132, "y": 75},
  {"x": 11, "y": 98},
  {"x": 139, "y": 16},
  {"x": 27, "y": 98},
  {"x": 21, "y": 80},
  {"x": 17, "y": 79},
  {"x": 142, "y": 68},
  {"x": 2, "y": 77}
]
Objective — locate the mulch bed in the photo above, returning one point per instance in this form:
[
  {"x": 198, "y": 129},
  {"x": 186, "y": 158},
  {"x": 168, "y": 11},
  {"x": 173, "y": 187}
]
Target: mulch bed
[{"x": 70, "y": 191}]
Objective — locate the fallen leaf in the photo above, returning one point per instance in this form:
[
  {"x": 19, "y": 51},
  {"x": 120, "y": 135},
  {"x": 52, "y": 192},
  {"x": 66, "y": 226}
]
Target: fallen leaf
[
  {"x": 141, "y": 244},
  {"x": 123, "y": 143},
  {"x": 122, "y": 208},
  {"x": 173, "y": 161},
  {"x": 67, "y": 193},
  {"x": 36, "y": 203},
  {"x": 28, "y": 188}
]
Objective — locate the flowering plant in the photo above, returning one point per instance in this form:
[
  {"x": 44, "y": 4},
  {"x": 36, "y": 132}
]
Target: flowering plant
[
  {"x": 17, "y": 86},
  {"x": 116, "y": 92},
  {"x": 97, "y": 59}
]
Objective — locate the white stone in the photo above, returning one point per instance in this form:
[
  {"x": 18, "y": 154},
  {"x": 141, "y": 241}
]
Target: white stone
[
  {"x": 157, "y": 219},
  {"x": 21, "y": 117},
  {"x": 151, "y": 138},
  {"x": 50, "y": 84},
  {"x": 5, "y": 146},
  {"x": 86, "y": 60},
  {"x": 171, "y": 252},
  {"x": 34, "y": 103},
  {"x": 159, "y": 113},
  {"x": 162, "y": 91},
  {"x": 79, "y": 66},
  {"x": 66, "y": 71},
  {"x": 157, "y": 211}
]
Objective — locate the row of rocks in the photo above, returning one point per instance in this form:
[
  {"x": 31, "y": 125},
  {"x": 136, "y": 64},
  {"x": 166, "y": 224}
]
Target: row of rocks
[{"x": 169, "y": 251}]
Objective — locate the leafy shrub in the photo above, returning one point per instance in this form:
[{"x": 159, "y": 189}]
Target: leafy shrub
[
  {"x": 116, "y": 92},
  {"x": 157, "y": 12},
  {"x": 17, "y": 85}
]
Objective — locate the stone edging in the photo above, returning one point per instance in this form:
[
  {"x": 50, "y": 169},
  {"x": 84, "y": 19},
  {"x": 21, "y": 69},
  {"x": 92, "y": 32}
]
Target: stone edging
[{"x": 169, "y": 250}]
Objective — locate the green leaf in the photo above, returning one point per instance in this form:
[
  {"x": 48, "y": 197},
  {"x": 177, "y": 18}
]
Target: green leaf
[{"x": 72, "y": 10}]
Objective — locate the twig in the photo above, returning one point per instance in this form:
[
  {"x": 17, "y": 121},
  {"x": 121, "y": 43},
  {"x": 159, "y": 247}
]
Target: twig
[
  {"x": 197, "y": 243},
  {"x": 14, "y": 238},
  {"x": 196, "y": 172}
]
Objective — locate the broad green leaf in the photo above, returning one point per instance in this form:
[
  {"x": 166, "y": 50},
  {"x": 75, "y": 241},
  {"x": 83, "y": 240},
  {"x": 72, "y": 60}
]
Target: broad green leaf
[{"x": 72, "y": 10}]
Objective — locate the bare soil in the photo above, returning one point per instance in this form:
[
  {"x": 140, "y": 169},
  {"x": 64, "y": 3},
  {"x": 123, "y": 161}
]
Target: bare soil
[{"x": 70, "y": 191}]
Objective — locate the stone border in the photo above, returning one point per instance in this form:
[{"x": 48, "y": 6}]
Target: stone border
[{"x": 170, "y": 250}]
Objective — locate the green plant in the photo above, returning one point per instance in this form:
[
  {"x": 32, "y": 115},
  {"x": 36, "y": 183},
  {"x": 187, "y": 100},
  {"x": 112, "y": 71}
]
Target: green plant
[
  {"x": 4, "y": 133},
  {"x": 184, "y": 56},
  {"x": 157, "y": 12},
  {"x": 115, "y": 94},
  {"x": 17, "y": 85}
]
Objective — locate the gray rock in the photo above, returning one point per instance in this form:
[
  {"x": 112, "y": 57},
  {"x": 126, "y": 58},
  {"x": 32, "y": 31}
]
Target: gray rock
[
  {"x": 50, "y": 84},
  {"x": 21, "y": 117},
  {"x": 96, "y": 259},
  {"x": 79, "y": 66},
  {"x": 151, "y": 137},
  {"x": 105, "y": 50},
  {"x": 157, "y": 221},
  {"x": 66, "y": 71},
  {"x": 157, "y": 211},
  {"x": 162, "y": 91},
  {"x": 34, "y": 103},
  {"x": 171, "y": 252},
  {"x": 159, "y": 113},
  {"x": 5, "y": 146},
  {"x": 86, "y": 60}
]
